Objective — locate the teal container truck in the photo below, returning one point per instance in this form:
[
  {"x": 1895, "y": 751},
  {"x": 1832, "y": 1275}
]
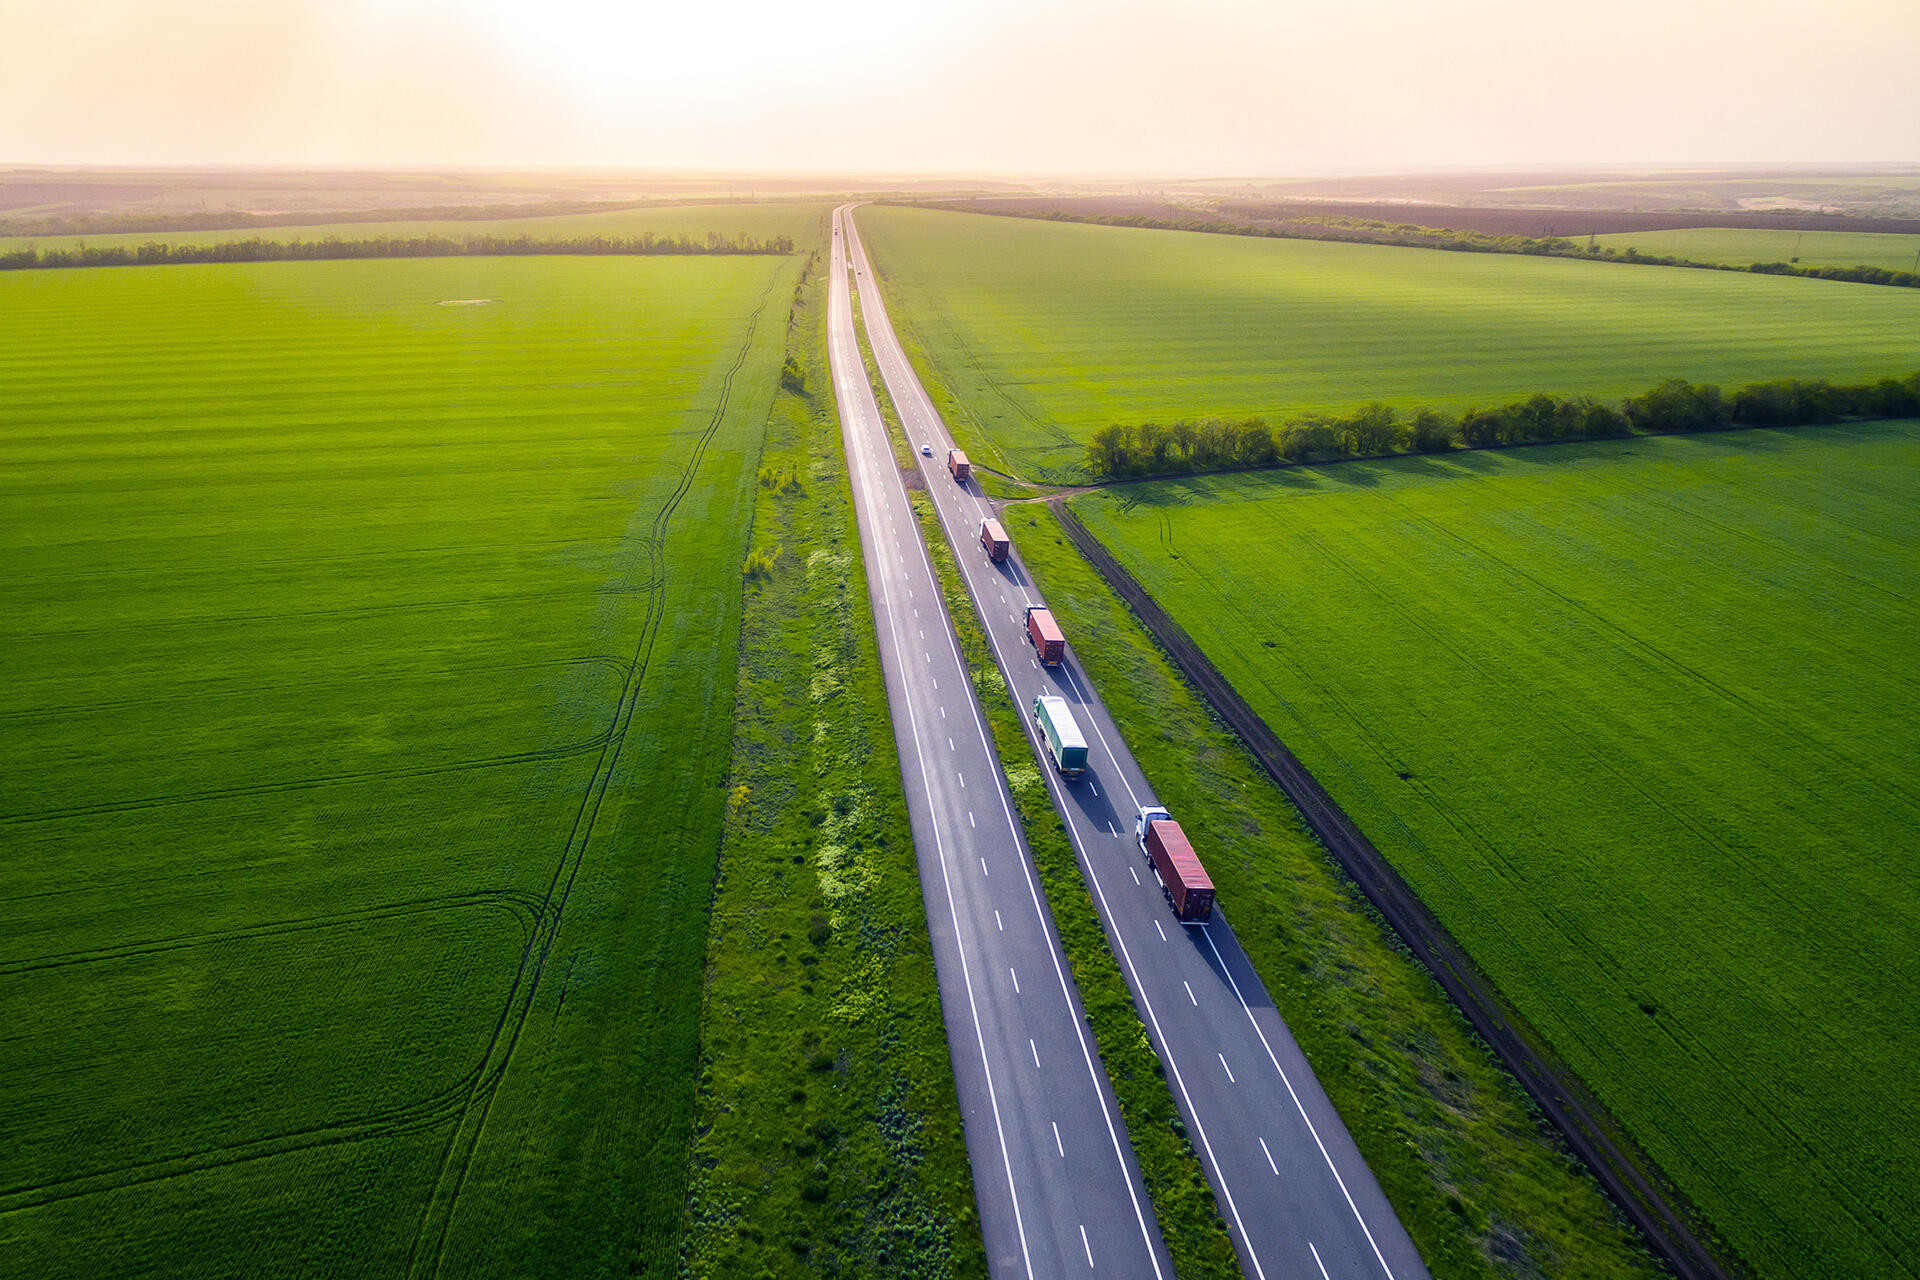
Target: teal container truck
[{"x": 1064, "y": 741}]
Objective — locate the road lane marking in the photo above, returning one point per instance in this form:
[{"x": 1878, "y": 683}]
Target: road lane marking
[
  {"x": 1016, "y": 979},
  {"x": 943, "y": 713},
  {"x": 1269, "y": 1155},
  {"x": 1036, "y": 1050},
  {"x": 970, "y": 821},
  {"x": 1162, "y": 932},
  {"x": 1096, "y": 790},
  {"x": 1094, "y": 1074},
  {"x": 997, "y": 920},
  {"x": 950, "y": 742},
  {"x": 1190, "y": 995},
  {"x": 1318, "y": 1263},
  {"x": 1299, "y": 1106},
  {"x": 1085, "y": 1245},
  {"x": 962, "y": 777},
  {"x": 1111, "y": 830},
  {"x": 966, "y": 974},
  {"x": 1136, "y": 879},
  {"x": 983, "y": 869},
  {"x": 1057, "y": 1145},
  {"x": 1224, "y": 1067}
]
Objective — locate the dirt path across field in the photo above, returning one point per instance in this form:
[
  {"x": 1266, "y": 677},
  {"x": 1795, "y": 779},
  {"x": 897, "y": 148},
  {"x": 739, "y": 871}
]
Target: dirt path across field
[{"x": 1582, "y": 1122}]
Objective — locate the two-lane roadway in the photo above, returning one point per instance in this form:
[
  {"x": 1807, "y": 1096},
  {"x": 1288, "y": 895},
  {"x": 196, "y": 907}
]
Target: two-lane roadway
[
  {"x": 1058, "y": 1190},
  {"x": 1297, "y": 1197}
]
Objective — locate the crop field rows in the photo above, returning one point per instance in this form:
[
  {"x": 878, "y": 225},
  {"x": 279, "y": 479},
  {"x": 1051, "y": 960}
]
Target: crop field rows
[
  {"x": 1045, "y": 332},
  {"x": 1634, "y": 719},
  {"x": 370, "y": 671}
]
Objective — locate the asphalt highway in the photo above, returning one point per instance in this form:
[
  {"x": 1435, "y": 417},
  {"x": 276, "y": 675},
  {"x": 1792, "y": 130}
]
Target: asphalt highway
[
  {"x": 1058, "y": 1190},
  {"x": 1298, "y": 1199}
]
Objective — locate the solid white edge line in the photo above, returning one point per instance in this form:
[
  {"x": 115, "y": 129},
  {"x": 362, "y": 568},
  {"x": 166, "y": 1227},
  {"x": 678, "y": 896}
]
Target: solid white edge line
[
  {"x": 1006, "y": 804},
  {"x": 979, "y": 1035},
  {"x": 1300, "y": 1107},
  {"x": 1325, "y": 1155}
]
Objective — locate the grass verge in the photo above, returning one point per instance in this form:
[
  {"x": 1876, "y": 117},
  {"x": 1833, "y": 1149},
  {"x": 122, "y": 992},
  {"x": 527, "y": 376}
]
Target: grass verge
[
  {"x": 827, "y": 1132},
  {"x": 1190, "y": 1222},
  {"x": 1481, "y": 1186}
]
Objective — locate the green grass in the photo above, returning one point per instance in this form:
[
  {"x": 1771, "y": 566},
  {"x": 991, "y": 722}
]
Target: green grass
[
  {"x": 349, "y": 639},
  {"x": 1742, "y": 247},
  {"x": 1183, "y": 1203},
  {"x": 1045, "y": 332},
  {"x": 1636, "y": 719},
  {"x": 829, "y": 1134},
  {"x": 803, "y": 222},
  {"x": 1482, "y": 1190},
  {"x": 1190, "y": 1222}
]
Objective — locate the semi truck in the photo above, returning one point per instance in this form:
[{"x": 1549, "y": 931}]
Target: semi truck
[
  {"x": 1184, "y": 882},
  {"x": 1044, "y": 634},
  {"x": 1065, "y": 743},
  {"x": 957, "y": 463},
  {"x": 994, "y": 539}
]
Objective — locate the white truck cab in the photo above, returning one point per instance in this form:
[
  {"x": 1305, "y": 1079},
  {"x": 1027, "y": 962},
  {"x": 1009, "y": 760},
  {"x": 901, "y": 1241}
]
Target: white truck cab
[{"x": 1149, "y": 813}]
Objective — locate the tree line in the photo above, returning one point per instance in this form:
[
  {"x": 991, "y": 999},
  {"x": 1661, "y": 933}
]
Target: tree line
[
  {"x": 1412, "y": 236},
  {"x": 1138, "y": 450},
  {"x": 156, "y": 253}
]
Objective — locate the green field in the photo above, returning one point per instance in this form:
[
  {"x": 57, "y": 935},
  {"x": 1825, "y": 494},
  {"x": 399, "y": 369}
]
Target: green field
[
  {"x": 1636, "y": 719},
  {"x": 1742, "y": 247},
  {"x": 1044, "y": 332},
  {"x": 762, "y": 221},
  {"x": 370, "y": 667}
]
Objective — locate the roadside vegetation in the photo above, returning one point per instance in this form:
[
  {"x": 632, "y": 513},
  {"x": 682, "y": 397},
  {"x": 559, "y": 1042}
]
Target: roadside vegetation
[
  {"x": 1482, "y": 1188},
  {"x": 155, "y": 253},
  {"x": 371, "y": 665},
  {"x": 1047, "y": 332},
  {"x": 1377, "y": 430},
  {"x": 1190, "y": 1221},
  {"x": 828, "y": 1136},
  {"x": 798, "y": 222},
  {"x": 1633, "y": 718},
  {"x": 1742, "y": 246}
]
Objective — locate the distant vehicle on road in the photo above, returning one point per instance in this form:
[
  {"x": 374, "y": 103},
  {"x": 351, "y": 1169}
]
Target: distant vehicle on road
[
  {"x": 926, "y": 451},
  {"x": 1188, "y": 888},
  {"x": 1044, "y": 634},
  {"x": 957, "y": 463},
  {"x": 1065, "y": 743},
  {"x": 994, "y": 539}
]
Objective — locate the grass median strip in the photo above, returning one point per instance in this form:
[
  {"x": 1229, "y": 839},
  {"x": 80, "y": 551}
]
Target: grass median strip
[
  {"x": 828, "y": 1136},
  {"x": 1190, "y": 1221},
  {"x": 1483, "y": 1190}
]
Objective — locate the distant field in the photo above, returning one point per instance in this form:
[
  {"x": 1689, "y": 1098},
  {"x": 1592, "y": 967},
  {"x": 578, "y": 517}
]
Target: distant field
[
  {"x": 1742, "y": 247},
  {"x": 800, "y": 221},
  {"x": 1045, "y": 332},
  {"x": 369, "y": 669},
  {"x": 1637, "y": 720}
]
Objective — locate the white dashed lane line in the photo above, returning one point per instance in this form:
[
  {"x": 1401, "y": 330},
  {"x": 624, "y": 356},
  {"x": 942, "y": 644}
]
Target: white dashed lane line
[
  {"x": 1224, "y": 1067},
  {"x": 1016, "y": 979},
  {"x": 1057, "y": 1144},
  {"x": 1190, "y": 995},
  {"x": 1162, "y": 932},
  {"x": 1269, "y": 1155},
  {"x": 1036, "y": 1050}
]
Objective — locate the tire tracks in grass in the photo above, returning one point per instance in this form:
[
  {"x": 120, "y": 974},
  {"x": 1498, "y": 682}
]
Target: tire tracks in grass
[
  {"x": 437, "y": 1214},
  {"x": 537, "y": 756}
]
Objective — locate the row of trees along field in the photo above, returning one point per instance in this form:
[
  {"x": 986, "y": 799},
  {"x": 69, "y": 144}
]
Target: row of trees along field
[
  {"x": 1155, "y": 449},
  {"x": 1413, "y": 236},
  {"x": 156, "y": 253}
]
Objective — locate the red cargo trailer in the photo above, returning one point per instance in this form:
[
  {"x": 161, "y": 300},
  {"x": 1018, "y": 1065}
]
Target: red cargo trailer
[
  {"x": 957, "y": 463},
  {"x": 1044, "y": 634},
  {"x": 1185, "y": 882},
  {"x": 994, "y": 539}
]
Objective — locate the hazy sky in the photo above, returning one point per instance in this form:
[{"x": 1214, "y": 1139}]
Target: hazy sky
[{"x": 1162, "y": 87}]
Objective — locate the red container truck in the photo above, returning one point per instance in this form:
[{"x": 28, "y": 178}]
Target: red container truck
[
  {"x": 994, "y": 539},
  {"x": 957, "y": 463},
  {"x": 1188, "y": 888},
  {"x": 1044, "y": 634}
]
